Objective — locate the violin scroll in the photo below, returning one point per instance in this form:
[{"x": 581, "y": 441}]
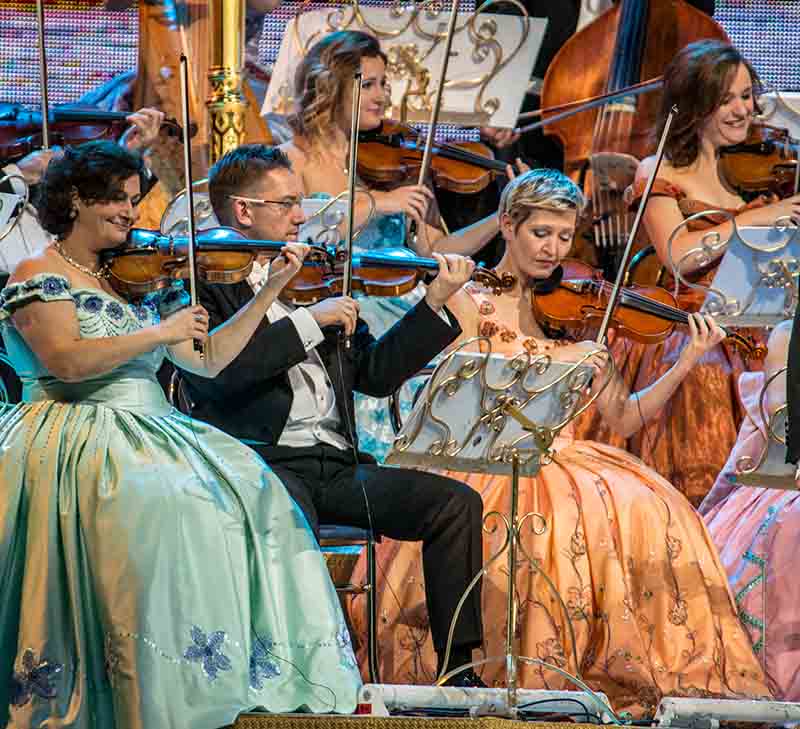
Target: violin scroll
[{"x": 491, "y": 280}]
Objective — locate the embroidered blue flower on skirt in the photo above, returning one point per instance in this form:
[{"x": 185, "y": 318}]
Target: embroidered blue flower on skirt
[
  {"x": 36, "y": 677},
  {"x": 261, "y": 663},
  {"x": 205, "y": 649},
  {"x": 345, "y": 647}
]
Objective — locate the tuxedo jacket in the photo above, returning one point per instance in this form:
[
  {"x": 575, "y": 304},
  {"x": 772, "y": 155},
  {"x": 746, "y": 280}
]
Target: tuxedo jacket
[{"x": 251, "y": 398}]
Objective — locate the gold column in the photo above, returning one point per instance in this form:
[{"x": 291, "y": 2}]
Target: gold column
[{"x": 226, "y": 102}]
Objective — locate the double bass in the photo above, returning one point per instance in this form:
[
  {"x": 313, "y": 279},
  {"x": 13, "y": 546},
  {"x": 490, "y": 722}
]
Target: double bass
[{"x": 631, "y": 42}]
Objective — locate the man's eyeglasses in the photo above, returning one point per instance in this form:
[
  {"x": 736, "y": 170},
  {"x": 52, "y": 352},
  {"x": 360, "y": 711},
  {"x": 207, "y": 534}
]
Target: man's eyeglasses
[{"x": 286, "y": 205}]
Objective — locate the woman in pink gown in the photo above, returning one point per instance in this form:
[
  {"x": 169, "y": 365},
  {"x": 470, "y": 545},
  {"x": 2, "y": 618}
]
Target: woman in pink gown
[
  {"x": 644, "y": 589},
  {"x": 714, "y": 88},
  {"x": 756, "y": 531}
]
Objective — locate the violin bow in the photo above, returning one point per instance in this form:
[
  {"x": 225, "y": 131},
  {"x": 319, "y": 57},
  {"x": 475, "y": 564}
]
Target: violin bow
[
  {"x": 624, "y": 261},
  {"x": 355, "y": 113},
  {"x": 43, "y": 75},
  {"x": 187, "y": 166},
  {"x": 16, "y": 215},
  {"x": 437, "y": 104},
  {"x": 576, "y": 107}
]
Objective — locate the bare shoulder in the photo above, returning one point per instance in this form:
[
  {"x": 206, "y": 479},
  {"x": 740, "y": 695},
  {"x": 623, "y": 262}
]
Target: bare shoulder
[
  {"x": 648, "y": 164},
  {"x": 463, "y": 307},
  {"x": 45, "y": 261}
]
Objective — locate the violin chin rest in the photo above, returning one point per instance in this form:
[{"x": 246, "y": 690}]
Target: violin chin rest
[{"x": 549, "y": 284}]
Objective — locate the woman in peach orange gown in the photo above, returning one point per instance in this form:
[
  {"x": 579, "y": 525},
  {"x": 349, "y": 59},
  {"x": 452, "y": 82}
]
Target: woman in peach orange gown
[
  {"x": 714, "y": 88},
  {"x": 646, "y": 594},
  {"x": 756, "y": 531}
]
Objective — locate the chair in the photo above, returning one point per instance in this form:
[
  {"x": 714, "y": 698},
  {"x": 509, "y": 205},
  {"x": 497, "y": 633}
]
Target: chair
[{"x": 333, "y": 540}]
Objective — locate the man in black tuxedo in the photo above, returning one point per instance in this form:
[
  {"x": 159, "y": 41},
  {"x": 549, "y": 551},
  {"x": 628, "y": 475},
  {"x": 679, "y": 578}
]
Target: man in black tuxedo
[{"x": 289, "y": 395}]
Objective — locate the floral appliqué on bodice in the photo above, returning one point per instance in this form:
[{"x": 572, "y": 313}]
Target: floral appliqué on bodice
[{"x": 505, "y": 339}]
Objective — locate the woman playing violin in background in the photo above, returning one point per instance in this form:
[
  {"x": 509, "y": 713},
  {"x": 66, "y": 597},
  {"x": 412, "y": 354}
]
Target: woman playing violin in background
[
  {"x": 105, "y": 484},
  {"x": 28, "y": 236},
  {"x": 618, "y": 533},
  {"x": 714, "y": 88},
  {"x": 319, "y": 150}
]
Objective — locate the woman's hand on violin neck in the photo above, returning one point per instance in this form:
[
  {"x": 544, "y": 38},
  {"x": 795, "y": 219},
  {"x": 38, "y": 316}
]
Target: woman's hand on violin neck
[
  {"x": 336, "y": 311},
  {"x": 33, "y": 165},
  {"x": 454, "y": 272},
  {"x": 283, "y": 268},
  {"x": 145, "y": 125},
  {"x": 186, "y": 324},
  {"x": 413, "y": 200},
  {"x": 705, "y": 334}
]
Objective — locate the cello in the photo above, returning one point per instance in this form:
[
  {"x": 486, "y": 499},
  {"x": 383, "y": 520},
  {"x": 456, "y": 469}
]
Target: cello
[{"x": 629, "y": 43}]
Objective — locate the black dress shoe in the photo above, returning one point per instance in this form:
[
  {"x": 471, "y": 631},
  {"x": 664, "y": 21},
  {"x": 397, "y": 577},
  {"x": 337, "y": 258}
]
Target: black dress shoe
[{"x": 466, "y": 679}]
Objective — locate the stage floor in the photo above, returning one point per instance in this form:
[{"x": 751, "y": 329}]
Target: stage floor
[{"x": 326, "y": 721}]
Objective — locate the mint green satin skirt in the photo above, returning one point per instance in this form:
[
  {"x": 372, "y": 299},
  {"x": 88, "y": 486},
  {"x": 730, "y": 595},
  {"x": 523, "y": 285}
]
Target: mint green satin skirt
[{"x": 154, "y": 573}]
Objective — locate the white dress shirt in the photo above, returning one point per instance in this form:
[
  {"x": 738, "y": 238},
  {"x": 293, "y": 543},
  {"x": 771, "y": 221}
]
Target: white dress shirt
[
  {"x": 27, "y": 237},
  {"x": 313, "y": 417}
]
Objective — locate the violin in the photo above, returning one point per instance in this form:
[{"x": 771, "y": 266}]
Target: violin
[
  {"x": 392, "y": 153},
  {"x": 21, "y": 129},
  {"x": 766, "y": 162},
  {"x": 150, "y": 262},
  {"x": 647, "y": 314}
]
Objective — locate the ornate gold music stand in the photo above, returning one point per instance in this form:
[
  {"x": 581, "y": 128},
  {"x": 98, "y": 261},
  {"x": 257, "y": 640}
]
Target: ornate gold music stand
[{"x": 482, "y": 413}]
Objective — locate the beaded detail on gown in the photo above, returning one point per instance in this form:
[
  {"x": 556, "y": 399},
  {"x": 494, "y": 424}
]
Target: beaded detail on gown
[
  {"x": 155, "y": 573},
  {"x": 688, "y": 442},
  {"x": 642, "y": 583},
  {"x": 756, "y": 531}
]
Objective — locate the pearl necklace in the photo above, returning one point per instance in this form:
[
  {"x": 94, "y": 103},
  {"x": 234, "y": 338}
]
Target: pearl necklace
[{"x": 100, "y": 274}]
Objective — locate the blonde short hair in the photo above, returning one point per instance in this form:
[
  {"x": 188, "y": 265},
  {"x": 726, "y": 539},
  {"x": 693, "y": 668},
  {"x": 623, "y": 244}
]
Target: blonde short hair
[{"x": 541, "y": 189}]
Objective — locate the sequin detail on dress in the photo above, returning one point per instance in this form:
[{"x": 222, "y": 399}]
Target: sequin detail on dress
[
  {"x": 261, "y": 664},
  {"x": 205, "y": 649},
  {"x": 345, "y": 646},
  {"x": 36, "y": 677}
]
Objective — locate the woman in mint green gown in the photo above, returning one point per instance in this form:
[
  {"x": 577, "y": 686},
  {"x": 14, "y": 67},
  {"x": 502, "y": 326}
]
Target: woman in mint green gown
[{"x": 154, "y": 572}]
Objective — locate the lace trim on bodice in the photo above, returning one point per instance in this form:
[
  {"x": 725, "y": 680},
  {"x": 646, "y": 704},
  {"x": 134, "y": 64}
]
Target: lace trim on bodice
[{"x": 99, "y": 313}]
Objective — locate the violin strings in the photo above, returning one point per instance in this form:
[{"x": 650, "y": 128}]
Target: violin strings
[
  {"x": 648, "y": 305},
  {"x": 462, "y": 155}
]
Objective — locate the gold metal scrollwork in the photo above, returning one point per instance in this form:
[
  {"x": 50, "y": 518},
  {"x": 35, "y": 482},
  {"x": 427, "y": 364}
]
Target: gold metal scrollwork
[{"x": 408, "y": 62}]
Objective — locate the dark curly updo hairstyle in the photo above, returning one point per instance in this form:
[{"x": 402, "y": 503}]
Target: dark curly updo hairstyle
[
  {"x": 696, "y": 81},
  {"x": 95, "y": 171},
  {"x": 322, "y": 77}
]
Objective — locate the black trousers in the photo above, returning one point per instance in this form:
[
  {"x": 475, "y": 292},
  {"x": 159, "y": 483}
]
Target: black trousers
[{"x": 445, "y": 515}]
